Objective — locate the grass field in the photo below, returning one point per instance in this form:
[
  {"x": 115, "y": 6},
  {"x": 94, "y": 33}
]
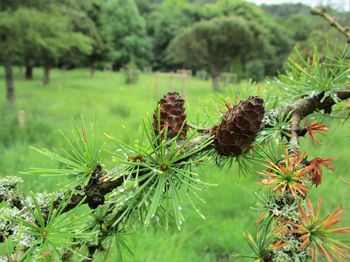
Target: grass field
[{"x": 118, "y": 108}]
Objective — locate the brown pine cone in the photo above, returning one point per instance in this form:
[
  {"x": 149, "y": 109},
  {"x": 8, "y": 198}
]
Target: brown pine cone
[
  {"x": 172, "y": 116},
  {"x": 239, "y": 127}
]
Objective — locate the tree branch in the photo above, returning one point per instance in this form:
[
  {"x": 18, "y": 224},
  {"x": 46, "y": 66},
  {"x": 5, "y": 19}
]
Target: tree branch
[
  {"x": 102, "y": 182},
  {"x": 306, "y": 106},
  {"x": 332, "y": 21}
]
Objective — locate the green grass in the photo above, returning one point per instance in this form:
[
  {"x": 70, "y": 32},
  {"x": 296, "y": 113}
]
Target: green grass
[{"x": 118, "y": 109}]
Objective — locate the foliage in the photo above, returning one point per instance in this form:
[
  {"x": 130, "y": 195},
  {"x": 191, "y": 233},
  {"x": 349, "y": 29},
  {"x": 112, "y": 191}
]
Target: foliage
[
  {"x": 82, "y": 158},
  {"x": 263, "y": 242},
  {"x": 168, "y": 177},
  {"x": 47, "y": 35},
  {"x": 10, "y": 33},
  {"x": 315, "y": 75},
  {"x": 90, "y": 32},
  {"x": 46, "y": 234},
  {"x": 292, "y": 175},
  {"x": 92, "y": 23},
  {"x": 277, "y": 127},
  {"x": 316, "y": 232},
  {"x": 288, "y": 176},
  {"x": 155, "y": 179},
  {"x": 316, "y": 127}
]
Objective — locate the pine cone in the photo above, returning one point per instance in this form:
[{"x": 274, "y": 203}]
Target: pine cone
[
  {"x": 172, "y": 116},
  {"x": 239, "y": 127}
]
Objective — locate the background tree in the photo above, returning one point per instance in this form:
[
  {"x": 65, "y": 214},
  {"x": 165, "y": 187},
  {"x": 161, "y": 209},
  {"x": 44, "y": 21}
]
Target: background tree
[
  {"x": 128, "y": 30},
  {"x": 74, "y": 33},
  {"x": 46, "y": 37},
  {"x": 9, "y": 35},
  {"x": 165, "y": 22},
  {"x": 277, "y": 45},
  {"x": 213, "y": 44},
  {"x": 102, "y": 47},
  {"x": 29, "y": 56},
  {"x": 303, "y": 30},
  {"x": 37, "y": 35},
  {"x": 11, "y": 43},
  {"x": 56, "y": 40}
]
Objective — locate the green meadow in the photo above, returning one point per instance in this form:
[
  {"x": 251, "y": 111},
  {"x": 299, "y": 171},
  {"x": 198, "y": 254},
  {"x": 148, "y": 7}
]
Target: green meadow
[{"x": 118, "y": 109}]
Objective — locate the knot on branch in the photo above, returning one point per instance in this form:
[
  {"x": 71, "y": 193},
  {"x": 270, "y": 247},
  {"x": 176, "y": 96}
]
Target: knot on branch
[{"x": 95, "y": 190}]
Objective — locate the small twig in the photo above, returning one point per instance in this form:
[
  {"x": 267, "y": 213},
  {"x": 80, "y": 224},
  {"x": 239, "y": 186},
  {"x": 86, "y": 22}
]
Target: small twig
[
  {"x": 198, "y": 129},
  {"x": 332, "y": 21}
]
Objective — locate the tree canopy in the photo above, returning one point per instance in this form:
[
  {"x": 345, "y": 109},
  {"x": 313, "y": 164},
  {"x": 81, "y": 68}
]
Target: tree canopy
[
  {"x": 94, "y": 33},
  {"x": 213, "y": 44},
  {"x": 127, "y": 30}
]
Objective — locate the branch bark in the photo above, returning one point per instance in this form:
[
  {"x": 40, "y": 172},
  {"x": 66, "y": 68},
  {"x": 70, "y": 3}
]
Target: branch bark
[
  {"x": 306, "y": 106},
  {"x": 294, "y": 141}
]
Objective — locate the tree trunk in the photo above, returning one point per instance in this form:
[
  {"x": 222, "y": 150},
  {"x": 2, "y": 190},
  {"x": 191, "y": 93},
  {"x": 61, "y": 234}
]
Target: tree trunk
[
  {"x": 46, "y": 79},
  {"x": 216, "y": 82},
  {"x": 93, "y": 70},
  {"x": 29, "y": 72},
  {"x": 10, "y": 89}
]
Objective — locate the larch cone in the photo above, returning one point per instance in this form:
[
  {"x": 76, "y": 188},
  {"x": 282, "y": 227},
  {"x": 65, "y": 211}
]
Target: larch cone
[
  {"x": 172, "y": 116},
  {"x": 239, "y": 127}
]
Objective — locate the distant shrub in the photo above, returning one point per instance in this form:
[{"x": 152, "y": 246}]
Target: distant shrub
[
  {"x": 120, "y": 110},
  {"x": 236, "y": 67},
  {"x": 228, "y": 78},
  {"x": 202, "y": 75},
  {"x": 10, "y": 131},
  {"x": 254, "y": 70},
  {"x": 131, "y": 73},
  {"x": 8, "y": 125}
]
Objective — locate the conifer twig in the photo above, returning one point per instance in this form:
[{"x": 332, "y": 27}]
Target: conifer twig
[
  {"x": 301, "y": 108},
  {"x": 100, "y": 184}
]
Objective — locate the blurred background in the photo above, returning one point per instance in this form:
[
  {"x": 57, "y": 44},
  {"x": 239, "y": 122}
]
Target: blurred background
[{"x": 111, "y": 60}]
